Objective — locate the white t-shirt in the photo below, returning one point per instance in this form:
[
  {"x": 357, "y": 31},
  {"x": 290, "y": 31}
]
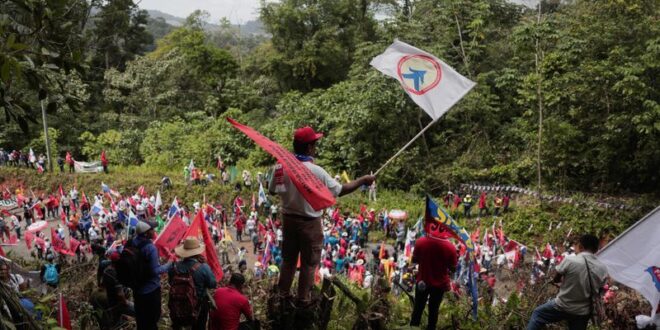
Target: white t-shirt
[{"x": 292, "y": 200}]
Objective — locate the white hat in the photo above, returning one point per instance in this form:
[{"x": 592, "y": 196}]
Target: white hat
[
  {"x": 190, "y": 247},
  {"x": 360, "y": 262},
  {"x": 142, "y": 227}
]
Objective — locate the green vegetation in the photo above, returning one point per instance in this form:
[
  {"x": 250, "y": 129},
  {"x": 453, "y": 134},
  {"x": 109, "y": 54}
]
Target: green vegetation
[{"x": 588, "y": 66}]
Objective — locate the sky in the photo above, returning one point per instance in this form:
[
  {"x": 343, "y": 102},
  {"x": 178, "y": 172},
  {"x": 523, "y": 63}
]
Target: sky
[{"x": 238, "y": 11}]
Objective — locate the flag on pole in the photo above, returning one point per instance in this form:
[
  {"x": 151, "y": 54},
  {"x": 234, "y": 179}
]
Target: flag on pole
[
  {"x": 132, "y": 219},
  {"x": 174, "y": 209},
  {"x": 191, "y": 166},
  {"x": 141, "y": 192},
  {"x": 108, "y": 190},
  {"x": 159, "y": 202},
  {"x": 61, "y": 191},
  {"x": 96, "y": 208},
  {"x": 63, "y": 319},
  {"x": 198, "y": 228},
  {"x": 641, "y": 272},
  {"x": 430, "y": 82},
  {"x": 170, "y": 236},
  {"x": 310, "y": 187},
  {"x": 262, "y": 195},
  {"x": 104, "y": 159}
]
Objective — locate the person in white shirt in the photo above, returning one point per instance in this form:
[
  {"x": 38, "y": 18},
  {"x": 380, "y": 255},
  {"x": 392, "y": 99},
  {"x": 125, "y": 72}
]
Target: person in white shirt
[
  {"x": 368, "y": 280},
  {"x": 250, "y": 224},
  {"x": 73, "y": 193},
  {"x": 280, "y": 236}
]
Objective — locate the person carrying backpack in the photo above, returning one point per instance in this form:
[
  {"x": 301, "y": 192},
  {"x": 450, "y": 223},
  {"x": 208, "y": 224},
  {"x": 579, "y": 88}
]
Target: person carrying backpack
[
  {"x": 189, "y": 279},
  {"x": 139, "y": 268},
  {"x": 50, "y": 272}
]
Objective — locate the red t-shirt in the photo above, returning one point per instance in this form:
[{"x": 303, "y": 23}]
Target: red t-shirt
[
  {"x": 434, "y": 257},
  {"x": 239, "y": 224},
  {"x": 230, "y": 304}
]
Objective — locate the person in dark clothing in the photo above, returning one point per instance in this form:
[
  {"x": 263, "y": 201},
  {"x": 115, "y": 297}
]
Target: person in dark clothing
[
  {"x": 60, "y": 164},
  {"x": 203, "y": 277},
  {"x": 436, "y": 259},
  {"x": 118, "y": 303},
  {"x": 147, "y": 296}
]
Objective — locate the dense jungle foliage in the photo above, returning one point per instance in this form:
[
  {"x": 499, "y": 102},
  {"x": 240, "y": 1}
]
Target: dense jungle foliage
[{"x": 589, "y": 67}]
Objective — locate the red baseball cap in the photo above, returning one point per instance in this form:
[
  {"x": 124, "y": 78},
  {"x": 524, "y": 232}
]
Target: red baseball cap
[{"x": 306, "y": 135}]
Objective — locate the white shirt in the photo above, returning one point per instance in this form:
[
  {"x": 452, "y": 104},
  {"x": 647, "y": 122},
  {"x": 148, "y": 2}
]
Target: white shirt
[
  {"x": 280, "y": 235},
  {"x": 92, "y": 234},
  {"x": 292, "y": 200},
  {"x": 324, "y": 272}
]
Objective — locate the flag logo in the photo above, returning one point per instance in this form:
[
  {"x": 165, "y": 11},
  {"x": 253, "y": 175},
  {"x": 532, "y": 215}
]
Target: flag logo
[
  {"x": 419, "y": 73},
  {"x": 655, "y": 276}
]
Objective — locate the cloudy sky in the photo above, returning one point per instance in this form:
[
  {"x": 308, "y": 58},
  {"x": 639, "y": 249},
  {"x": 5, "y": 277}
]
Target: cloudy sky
[{"x": 238, "y": 11}]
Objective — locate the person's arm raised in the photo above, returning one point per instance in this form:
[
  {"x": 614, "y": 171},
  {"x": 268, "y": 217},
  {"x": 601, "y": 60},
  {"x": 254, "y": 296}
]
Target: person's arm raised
[{"x": 350, "y": 187}]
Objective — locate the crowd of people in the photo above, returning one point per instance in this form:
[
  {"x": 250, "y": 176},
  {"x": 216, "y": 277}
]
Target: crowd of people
[{"x": 119, "y": 231}]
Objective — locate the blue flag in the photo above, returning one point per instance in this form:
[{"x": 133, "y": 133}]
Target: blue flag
[{"x": 438, "y": 223}]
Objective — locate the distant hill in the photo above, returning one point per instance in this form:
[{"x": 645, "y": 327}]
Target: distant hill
[{"x": 253, "y": 27}]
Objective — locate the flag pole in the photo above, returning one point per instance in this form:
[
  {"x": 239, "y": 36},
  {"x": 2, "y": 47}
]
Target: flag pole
[{"x": 407, "y": 145}]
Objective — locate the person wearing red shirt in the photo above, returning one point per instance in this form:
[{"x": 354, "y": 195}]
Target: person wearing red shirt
[
  {"x": 436, "y": 258},
  {"x": 230, "y": 304},
  {"x": 483, "y": 204},
  {"x": 239, "y": 229}
]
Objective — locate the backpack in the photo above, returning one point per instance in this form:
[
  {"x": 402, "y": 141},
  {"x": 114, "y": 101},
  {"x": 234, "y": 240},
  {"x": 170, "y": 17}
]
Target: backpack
[
  {"x": 183, "y": 304},
  {"x": 132, "y": 266},
  {"x": 50, "y": 275}
]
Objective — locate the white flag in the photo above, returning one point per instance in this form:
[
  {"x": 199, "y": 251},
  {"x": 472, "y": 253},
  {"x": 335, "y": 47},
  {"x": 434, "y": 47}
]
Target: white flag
[
  {"x": 32, "y": 158},
  {"x": 431, "y": 83},
  {"x": 158, "y": 201},
  {"x": 262, "y": 195},
  {"x": 633, "y": 258},
  {"x": 191, "y": 166}
]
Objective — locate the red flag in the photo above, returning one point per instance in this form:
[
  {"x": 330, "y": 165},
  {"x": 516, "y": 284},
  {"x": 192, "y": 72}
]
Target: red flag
[
  {"x": 111, "y": 228},
  {"x": 61, "y": 191},
  {"x": 2, "y": 252},
  {"x": 198, "y": 228},
  {"x": 381, "y": 253},
  {"x": 547, "y": 253},
  {"x": 73, "y": 244},
  {"x": 170, "y": 236},
  {"x": 58, "y": 244},
  {"x": 312, "y": 189},
  {"x": 141, "y": 191},
  {"x": 63, "y": 319},
  {"x": 29, "y": 237},
  {"x": 84, "y": 198},
  {"x": 63, "y": 217},
  {"x": 69, "y": 159}
]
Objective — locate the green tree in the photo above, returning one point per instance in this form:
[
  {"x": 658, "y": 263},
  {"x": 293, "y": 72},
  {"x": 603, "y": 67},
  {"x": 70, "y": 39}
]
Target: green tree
[{"x": 314, "y": 40}]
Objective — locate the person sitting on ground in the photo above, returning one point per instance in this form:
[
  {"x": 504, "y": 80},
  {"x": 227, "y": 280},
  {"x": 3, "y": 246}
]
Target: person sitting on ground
[
  {"x": 581, "y": 277},
  {"x": 182, "y": 311},
  {"x": 230, "y": 304}
]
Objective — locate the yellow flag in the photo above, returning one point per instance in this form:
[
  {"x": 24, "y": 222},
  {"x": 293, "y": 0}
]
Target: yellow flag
[
  {"x": 227, "y": 237},
  {"x": 345, "y": 177}
]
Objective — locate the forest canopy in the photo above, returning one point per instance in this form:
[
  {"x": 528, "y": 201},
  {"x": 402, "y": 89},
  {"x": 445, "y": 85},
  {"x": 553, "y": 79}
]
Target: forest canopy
[{"x": 111, "y": 77}]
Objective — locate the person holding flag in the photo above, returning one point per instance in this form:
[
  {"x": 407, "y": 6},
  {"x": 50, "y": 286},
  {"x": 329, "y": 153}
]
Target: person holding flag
[{"x": 302, "y": 225}]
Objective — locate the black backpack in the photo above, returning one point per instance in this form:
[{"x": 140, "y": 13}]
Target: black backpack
[
  {"x": 133, "y": 267},
  {"x": 184, "y": 303}
]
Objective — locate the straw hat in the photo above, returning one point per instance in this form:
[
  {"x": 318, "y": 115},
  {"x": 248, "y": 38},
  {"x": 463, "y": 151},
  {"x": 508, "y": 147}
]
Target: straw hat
[
  {"x": 190, "y": 247},
  {"x": 360, "y": 262}
]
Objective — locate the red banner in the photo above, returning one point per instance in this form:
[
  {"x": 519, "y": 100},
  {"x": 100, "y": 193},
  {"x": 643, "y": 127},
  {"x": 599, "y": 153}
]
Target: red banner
[
  {"x": 170, "y": 236},
  {"x": 198, "y": 228},
  {"x": 58, "y": 244},
  {"x": 310, "y": 187},
  {"x": 73, "y": 244}
]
